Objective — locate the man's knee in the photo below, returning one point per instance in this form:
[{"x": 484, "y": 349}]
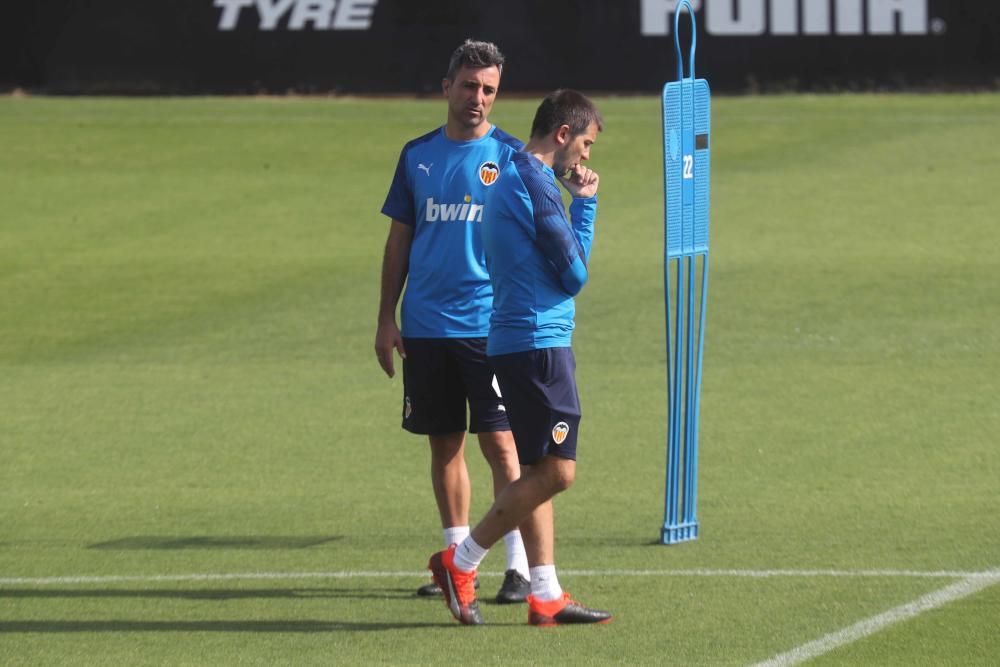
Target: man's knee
[
  {"x": 499, "y": 450},
  {"x": 447, "y": 448},
  {"x": 558, "y": 473},
  {"x": 565, "y": 474}
]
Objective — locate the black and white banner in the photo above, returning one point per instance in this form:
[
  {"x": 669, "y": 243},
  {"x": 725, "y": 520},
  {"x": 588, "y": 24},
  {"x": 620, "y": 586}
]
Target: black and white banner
[{"x": 402, "y": 46}]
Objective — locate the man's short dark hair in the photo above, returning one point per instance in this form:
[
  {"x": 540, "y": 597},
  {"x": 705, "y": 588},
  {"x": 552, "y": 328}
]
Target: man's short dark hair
[
  {"x": 474, "y": 54},
  {"x": 565, "y": 107}
]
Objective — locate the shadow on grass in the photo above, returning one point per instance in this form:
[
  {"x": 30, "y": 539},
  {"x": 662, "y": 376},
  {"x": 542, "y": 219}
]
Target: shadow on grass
[
  {"x": 287, "y": 626},
  {"x": 217, "y": 542},
  {"x": 306, "y": 626},
  {"x": 211, "y": 593}
]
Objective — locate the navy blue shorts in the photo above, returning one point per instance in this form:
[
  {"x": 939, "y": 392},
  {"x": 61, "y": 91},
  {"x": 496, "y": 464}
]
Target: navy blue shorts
[
  {"x": 539, "y": 389},
  {"x": 442, "y": 375}
]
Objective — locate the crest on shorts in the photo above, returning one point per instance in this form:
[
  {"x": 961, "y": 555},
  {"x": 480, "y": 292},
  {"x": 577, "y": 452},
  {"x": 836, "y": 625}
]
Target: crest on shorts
[
  {"x": 489, "y": 172},
  {"x": 408, "y": 409},
  {"x": 559, "y": 432}
]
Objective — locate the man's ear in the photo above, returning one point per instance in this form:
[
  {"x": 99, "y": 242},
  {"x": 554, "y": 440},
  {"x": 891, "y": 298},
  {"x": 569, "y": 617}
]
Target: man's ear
[
  {"x": 562, "y": 135},
  {"x": 445, "y": 86}
]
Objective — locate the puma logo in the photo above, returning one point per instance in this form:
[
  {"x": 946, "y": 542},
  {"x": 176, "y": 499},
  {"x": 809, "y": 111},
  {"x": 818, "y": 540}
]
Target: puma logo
[{"x": 426, "y": 168}]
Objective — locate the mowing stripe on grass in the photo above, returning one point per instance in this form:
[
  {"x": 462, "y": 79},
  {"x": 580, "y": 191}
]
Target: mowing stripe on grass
[
  {"x": 989, "y": 577},
  {"x": 869, "y": 626}
]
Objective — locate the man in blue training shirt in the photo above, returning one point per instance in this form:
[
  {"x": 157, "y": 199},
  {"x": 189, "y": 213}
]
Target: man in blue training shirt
[
  {"x": 537, "y": 262},
  {"x": 436, "y": 204}
]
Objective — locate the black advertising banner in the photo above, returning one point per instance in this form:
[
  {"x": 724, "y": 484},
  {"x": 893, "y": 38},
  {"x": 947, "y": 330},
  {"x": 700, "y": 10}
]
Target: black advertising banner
[{"x": 402, "y": 46}]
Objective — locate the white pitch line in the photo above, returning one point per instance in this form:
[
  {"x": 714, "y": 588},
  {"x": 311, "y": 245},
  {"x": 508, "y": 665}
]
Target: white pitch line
[
  {"x": 869, "y": 626},
  {"x": 362, "y": 574},
  {"x": 763, "y": 574}
]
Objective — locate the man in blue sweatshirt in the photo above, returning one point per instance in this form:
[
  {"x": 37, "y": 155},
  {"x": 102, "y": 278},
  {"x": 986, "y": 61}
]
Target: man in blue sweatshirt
[{"x": 537, "y": 261}]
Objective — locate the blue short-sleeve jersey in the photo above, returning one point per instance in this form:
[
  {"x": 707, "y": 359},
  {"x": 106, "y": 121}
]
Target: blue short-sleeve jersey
[
  {"x": 440, "y": 189},
  {"x": 537, "y": 259}
]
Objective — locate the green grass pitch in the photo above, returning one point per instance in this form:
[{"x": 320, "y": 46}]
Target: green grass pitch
[{"x": 197, "y": 445}]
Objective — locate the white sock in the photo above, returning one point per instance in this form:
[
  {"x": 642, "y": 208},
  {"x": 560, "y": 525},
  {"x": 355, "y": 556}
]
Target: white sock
[
  {"x": 455, "y": 535},
  {"x": 544, "y": 583},
  {"x": 516, "y": 558},
  {"x": 469, "y": 555}
]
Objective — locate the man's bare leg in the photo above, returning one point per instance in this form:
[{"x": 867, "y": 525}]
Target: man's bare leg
[
  {"x": 450, "y": 478},
  {"x": 500, "y": 452}
]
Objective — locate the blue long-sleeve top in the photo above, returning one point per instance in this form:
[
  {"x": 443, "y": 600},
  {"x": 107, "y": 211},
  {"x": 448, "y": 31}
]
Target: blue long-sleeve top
[{"x": 536, "y": 258}]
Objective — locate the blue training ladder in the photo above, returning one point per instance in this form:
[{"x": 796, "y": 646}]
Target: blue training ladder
[{"x": 686, "y": 130}]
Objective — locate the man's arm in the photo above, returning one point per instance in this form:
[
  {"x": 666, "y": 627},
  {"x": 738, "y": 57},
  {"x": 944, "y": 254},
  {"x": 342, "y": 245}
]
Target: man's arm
[
  {"x": 582, "y": 213},
  {"x": 567, "y": 245},
  {"x": 395, "y": 266},
  {"x": 582, "y": 184},
  {"x": 559, "y": 245}
]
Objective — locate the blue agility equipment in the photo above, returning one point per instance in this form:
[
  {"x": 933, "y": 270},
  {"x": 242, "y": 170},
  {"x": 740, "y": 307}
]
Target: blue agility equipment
[{"x": 686, "y": 129}]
